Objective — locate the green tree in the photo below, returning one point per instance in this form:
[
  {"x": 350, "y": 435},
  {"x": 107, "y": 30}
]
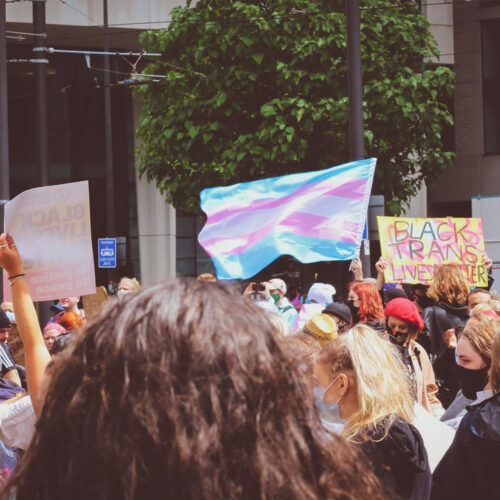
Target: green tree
[{"x": 259, "y": 88}]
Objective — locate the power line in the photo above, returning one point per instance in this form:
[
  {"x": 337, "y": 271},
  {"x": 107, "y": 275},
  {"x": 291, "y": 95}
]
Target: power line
[
  {"x": 272, "y": 16},
  {"x": 80, "y": 12},
  {"x": 44, "y": 35},
  {"x": 296, "y": 12}
]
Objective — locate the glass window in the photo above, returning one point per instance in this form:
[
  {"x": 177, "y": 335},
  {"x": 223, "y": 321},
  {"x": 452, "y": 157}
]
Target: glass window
[
  {"x": 75, "y": 141},
  {"x": 192, "y": 260}
]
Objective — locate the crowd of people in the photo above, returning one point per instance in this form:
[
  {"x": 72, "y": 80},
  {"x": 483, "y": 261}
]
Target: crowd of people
[{"x": 192, "y": 389}]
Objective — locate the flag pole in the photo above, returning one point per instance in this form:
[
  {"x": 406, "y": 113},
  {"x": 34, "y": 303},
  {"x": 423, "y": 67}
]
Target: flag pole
[{"x": 355, "y": 85}]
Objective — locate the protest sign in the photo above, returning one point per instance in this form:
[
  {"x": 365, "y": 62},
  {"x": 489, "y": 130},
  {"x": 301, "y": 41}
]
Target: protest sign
[
  {"x": 16, "y": 345},
  {"x": 92, "y": 304},
  {"x": 51, "y": 227},
  {"x": 414, "y": 247}
]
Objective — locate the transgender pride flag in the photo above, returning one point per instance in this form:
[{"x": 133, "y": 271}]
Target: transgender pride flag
[{"x": 313, "y": 216}]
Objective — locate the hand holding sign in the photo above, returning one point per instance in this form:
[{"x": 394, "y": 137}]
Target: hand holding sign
[
  {"x": 357, "y": 269},
  {"x": 10, "y": 260},
  {"x": 51, "y": 226},
  {"x": 381, "y": 265},
  {"x": 488, "y": 263}
]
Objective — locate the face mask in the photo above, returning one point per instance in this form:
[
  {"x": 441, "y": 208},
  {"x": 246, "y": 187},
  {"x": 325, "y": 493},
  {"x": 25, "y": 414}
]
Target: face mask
[
  {"x": 329, "y": 412},
  {"x": 334, "y": 427},
  {"x": 471, "y": 381},
  {"x": 354, "y": 311},
  {"x": 11, "y": 316},
  {"x": 276, "y": 297},
  {"x": 121, "y": 292},
  {"x": 398, "y": 338}
]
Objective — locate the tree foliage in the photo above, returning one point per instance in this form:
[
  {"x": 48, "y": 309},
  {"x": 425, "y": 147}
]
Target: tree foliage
[{"x": 259, "y": 88}]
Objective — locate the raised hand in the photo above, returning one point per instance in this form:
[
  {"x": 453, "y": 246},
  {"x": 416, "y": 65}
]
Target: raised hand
[
  {"x": 10, "y": 259},
  {"x": 381, "y": 265}
]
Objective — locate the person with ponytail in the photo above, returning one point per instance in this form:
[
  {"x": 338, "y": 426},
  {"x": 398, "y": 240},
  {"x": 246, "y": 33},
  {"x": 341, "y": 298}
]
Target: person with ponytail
[
  {"x": 403, "y": 324},
  {"x": 360, "y": 378},
  {"x": 366, "y": 306},
  {"x": 469, "y": 469}
]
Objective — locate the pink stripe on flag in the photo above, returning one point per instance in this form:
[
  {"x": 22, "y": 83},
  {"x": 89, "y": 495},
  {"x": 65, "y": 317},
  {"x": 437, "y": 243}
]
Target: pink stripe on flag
[
  {"x": 353, "y": 189},
  {"x": 312, "y": 226}
]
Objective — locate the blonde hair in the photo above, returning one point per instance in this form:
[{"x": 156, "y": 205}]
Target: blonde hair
[
  {"x": 449, "y": 285},
  {"x": 206, "y": 277},
  {"x": 382, "y": 381},
  {"x": 481, "y": 307},
  {"x": 495, "y": 364},
  {"x": 495, "y": 305},
  {"x": 304, "y": 350},
  {"x": 481, "y": 331},
  {"x": 279, "y": 324},
  {"x": 135, "y": 283}
]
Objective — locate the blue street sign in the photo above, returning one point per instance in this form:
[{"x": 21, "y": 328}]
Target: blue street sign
[{"x": 106, "y": 249}]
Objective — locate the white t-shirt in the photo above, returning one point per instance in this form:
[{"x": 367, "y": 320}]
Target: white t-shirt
[{"x": 17, "y": 423}]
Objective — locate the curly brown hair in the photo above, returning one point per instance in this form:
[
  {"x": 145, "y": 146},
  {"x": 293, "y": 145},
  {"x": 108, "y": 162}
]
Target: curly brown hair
[
  {"x": 449, "y": 285},
  {"x": 183, "y": 390}
]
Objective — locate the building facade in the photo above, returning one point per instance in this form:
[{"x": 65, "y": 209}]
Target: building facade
[
  {"x": 476, "y": 171},
  {"x": 160, "y": 242},
  {"x": 76, "y": 128}
]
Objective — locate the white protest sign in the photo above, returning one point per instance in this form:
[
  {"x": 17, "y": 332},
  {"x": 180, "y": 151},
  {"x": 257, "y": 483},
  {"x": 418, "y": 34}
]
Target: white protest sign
[{"x": 51, "y": 228}]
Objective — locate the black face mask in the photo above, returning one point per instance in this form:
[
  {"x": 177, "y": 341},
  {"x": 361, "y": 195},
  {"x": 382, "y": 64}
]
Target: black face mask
[
  {"x": 471, "y": 381},
  {"x": 354, "y": 311},
  {"x": 397, "y": 338}
]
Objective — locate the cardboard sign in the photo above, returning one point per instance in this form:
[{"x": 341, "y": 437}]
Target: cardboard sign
[
  {"x": 51, "y": 227},
  {"x": 415, "y": 247},
  {"x": 92, "y": 304},
  {"x": 16, "y": 345}
]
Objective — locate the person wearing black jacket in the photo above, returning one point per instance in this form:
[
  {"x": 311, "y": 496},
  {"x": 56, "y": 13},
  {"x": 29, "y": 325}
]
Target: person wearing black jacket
[
  {"x": 400, "y": 460},
  {"x": 470, "y": 467},
  {"x": 365, "y": 387},
  {"x": 449, "y": 289}
]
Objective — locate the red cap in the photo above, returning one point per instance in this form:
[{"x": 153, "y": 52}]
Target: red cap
[{"x": 405, "y": 310}]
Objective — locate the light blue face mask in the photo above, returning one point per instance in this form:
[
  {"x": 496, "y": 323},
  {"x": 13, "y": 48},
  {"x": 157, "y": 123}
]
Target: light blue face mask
[
  {"x": 328, "y": 412},
  {"x": 11, "y": 316}
]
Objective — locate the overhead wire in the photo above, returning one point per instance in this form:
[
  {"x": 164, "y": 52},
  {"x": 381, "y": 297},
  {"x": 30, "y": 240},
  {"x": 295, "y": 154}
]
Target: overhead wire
[
  {"x": 23, "y": 33},
  {"x": 80, "y": 12},
  {"x": 171, "y": 22}
]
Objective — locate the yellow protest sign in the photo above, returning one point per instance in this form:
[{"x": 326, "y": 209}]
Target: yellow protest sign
[{"x": 414, "y": 247}]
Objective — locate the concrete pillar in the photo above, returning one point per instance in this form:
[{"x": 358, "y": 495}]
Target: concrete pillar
[
  {"x": 418, "y": 204},
  {"x": 156, "y": 228}
]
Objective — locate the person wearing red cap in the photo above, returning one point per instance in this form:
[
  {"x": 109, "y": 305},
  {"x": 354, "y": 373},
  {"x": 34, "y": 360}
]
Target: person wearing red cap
[{"x": 403, "y": 323}]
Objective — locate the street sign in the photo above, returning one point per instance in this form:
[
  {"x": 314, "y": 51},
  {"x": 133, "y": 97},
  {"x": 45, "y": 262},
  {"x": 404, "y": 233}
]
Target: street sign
[{"x": 106, "y": 250}]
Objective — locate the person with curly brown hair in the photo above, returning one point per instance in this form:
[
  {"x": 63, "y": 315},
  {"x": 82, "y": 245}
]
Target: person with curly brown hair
[
  {"x": 449, "y": 291},
  {"x": 168, "y": 393}
]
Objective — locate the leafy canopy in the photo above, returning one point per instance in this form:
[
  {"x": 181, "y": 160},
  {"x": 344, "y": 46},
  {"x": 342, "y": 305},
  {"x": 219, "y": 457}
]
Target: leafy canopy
[{"x": 257, "y": 89}]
